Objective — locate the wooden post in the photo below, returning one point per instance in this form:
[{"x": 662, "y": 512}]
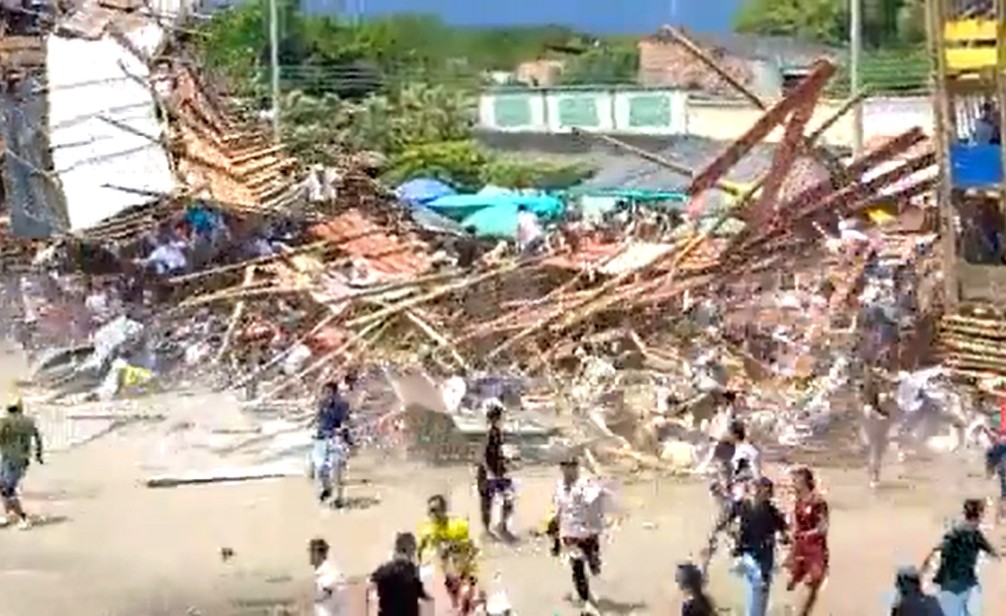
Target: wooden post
[
  {"x": 942, "y": 115},
  {"x": 1001, "y": 95},
  {"x": 807, "y": 91}
]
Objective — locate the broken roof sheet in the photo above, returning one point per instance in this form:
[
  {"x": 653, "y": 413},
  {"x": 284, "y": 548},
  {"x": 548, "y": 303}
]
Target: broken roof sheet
[
  {"x": 630, "y": 171},
  {"x": 386, "y": 254},
  {"x": 104, "y": 132}
]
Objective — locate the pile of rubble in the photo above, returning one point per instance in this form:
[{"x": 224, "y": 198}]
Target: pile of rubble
[{"x": 623, "y": 344}]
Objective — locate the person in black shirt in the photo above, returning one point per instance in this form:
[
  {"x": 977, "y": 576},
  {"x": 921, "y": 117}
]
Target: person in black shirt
[
  {"x": 397, "y": 583},
  {"x": 959, "y": 550},
  {"x": 910, "y": 599},
  {"x": 697, "y": 603},
  {"x": 758, "y": 521},
  {"x": 491, "y": 475}
]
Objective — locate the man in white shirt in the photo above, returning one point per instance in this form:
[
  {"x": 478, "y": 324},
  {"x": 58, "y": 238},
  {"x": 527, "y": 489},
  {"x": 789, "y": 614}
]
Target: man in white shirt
[
  {"x": 530, "y": 236},
  {"x": 329, "y": 583},
  {"x": 580, "y": 504},
  {"x": 168, "y": 258}
]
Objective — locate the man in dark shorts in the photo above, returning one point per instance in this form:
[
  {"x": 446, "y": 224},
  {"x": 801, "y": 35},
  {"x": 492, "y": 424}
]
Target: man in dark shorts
[
  {"x": 397, "y": 583},
  {"x": 17, "y": 432},
  {"x": 491, "y": 476}
]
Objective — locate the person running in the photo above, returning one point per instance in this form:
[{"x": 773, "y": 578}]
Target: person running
[
  {"x": 331, "y": 442},
  {"x": 491, "y": 476},
  {"x": 909, "y": 598},
  {"x": 808, "y": 561},
  {"x": 579, "y": 506},
  {"x": 329, "y": 583},
  {"x": 734, "y": 462},
  {"x": 692, "y": 584},
  {"x": 758, "y": 521},
  {"x": 876, "y": 429},
  {"x": 17, "y": 433},
  {"x": 397, "y": 584},
  {"x": 995, "y": 456},
  {"x": 746, "y": 460},
  {"x": 960, "y": 594},
  {"x": 449, "y": 537}
]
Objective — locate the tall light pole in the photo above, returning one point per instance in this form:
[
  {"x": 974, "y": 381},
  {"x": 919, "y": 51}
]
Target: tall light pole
[
  {"x": 274, "y": 66},
  {"x": 855, "y": 53}
]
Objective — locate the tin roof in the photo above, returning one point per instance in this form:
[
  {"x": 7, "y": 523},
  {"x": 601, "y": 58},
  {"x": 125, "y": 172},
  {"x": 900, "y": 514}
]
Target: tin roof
[{"x": 386, "y": 254}]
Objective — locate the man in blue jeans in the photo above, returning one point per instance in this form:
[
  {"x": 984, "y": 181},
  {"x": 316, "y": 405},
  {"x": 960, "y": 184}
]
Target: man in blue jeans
[
  {"x": 959, "y": 593},
  {"x": 758, "y": 522},
  {"x": 331, "y": 443}
]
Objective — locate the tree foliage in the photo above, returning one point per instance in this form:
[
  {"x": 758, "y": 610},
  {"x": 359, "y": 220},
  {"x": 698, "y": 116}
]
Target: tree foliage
[
  {"x": 603, "y": 64},
  {"x": 404, "y": 86},
  {"x": 886, "y": 23}
]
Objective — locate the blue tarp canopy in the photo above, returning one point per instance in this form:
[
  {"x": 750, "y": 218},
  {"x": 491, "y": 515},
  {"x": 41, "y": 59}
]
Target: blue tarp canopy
[
  {"x": 461, "y": 207},
  {"x": 422, "y": 190}
]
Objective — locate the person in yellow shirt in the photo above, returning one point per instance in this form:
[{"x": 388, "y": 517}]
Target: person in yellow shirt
[{"x": 450, "y": 539}]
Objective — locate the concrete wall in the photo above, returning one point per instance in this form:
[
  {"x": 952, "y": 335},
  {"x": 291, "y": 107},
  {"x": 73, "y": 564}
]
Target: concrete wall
[
  {"x": 669, "y": 112},
  {"x": 641, "y": 111}
]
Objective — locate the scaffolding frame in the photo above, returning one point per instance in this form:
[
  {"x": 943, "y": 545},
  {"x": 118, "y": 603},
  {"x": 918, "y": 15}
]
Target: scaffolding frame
[{"x": 964, "y": 64}]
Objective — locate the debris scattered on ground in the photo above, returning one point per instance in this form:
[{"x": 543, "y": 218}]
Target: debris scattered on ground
[{"x": 622, "y": 335}]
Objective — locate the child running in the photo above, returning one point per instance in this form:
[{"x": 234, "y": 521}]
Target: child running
[
  {"x": 808, "y": 561},
  {"x": 450, "y": 538}
]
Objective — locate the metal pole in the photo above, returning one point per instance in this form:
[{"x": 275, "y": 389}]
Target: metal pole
[
  {"x": 855, "y": 53},
  {"x": 274, "y": 66}
]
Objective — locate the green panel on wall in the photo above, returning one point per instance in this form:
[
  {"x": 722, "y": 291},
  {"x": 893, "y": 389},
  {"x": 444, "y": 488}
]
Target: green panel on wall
[
  {"x": 650, "y": 110},
  {"x": 512, "y": 110},
  {"x": 578, "y": 111}
]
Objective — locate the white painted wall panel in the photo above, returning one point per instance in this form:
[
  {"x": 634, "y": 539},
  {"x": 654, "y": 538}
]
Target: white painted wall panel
[{"x": 102, "y": 126}]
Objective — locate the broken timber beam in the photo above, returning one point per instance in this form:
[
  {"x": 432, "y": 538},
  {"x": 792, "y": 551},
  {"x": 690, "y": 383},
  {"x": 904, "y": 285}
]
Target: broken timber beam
[
  {"x": 829, "y": 160},
  {"x": 765, "y": 209},
  {"x": 820, "y": 191},
  {"x": 840, "y": 201},
  {"x": 821, "y": 72}
]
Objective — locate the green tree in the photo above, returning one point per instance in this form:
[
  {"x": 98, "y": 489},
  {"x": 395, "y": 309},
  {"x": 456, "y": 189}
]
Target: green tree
[
  {"x": 817, "y": 20},
  {"x": 404, "y": 86},
  {"x": 603, "y": 65},
  {"x": 886, "y": 23}
]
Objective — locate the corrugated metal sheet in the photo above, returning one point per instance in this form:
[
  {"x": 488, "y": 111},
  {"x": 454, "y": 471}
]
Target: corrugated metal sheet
[
  {"x": 34, "y": 199},
  {"x": 103, "y": 128},
  {"x": 386, "y": 255}
]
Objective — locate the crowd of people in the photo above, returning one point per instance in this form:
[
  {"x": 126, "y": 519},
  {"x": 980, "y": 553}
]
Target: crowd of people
[{"x": 745, "y": 512}]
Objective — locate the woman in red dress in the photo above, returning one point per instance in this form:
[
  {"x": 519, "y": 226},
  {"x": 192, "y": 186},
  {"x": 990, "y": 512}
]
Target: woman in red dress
[{"x": 808, "y": 561}]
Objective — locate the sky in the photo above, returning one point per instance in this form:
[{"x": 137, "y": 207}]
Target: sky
[{"x": 594, "y": 16}]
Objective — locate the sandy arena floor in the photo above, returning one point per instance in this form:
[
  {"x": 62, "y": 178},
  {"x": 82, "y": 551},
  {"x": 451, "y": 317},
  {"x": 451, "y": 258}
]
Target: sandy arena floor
[{"x": 114, "y": 547}]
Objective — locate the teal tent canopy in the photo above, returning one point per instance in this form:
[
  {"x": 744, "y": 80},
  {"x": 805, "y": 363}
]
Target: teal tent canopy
[
  {"x": 497, "y": 221},
  {"x": 460, "y": 207}
]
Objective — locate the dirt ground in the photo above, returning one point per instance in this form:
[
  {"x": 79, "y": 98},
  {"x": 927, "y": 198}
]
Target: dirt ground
[{"x": 114, "y": 547}]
